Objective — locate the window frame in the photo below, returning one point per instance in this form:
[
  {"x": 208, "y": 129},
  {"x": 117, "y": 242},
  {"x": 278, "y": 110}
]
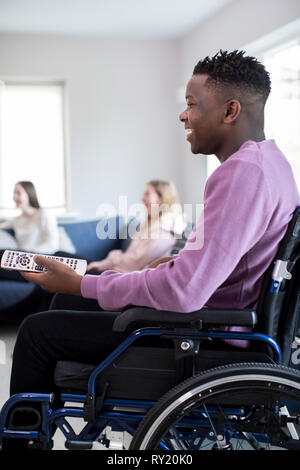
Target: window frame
[{"x": 11, "y": 81}]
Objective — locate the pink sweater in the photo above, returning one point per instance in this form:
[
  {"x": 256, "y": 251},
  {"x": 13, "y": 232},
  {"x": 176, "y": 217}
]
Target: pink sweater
[{"x": 248, "y": 203}]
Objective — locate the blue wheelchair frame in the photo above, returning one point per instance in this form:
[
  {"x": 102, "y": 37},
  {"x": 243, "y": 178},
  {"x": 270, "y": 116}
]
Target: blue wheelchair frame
[{"x": 125, "y": 420}]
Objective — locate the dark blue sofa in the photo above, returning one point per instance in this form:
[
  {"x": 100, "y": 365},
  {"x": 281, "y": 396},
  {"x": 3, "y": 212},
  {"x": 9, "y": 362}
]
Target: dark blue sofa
[{"x": 18, "y": 299}]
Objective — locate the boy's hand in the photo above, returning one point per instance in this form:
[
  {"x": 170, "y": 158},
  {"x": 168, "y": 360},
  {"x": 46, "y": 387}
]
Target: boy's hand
[{"x": 58, "y": 278}]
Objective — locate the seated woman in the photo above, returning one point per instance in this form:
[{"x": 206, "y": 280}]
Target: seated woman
[
  {"x": 157, "y": 235},
  {"x": 35, "y": 230},
  {"x": 154, "y": 240}
]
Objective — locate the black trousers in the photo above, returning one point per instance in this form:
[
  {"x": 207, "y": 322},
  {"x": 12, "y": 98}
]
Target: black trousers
[
  {"x": 47, "y": 337},
  {"x": 74, "y": 329}
]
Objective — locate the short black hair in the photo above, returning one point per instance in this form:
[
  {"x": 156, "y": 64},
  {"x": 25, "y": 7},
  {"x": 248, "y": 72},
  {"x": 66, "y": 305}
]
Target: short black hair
[{"x": 236, "y": 69}]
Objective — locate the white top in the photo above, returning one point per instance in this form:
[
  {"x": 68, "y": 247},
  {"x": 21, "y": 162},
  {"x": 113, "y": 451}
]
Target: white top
[{"x": 37, "y": 233}]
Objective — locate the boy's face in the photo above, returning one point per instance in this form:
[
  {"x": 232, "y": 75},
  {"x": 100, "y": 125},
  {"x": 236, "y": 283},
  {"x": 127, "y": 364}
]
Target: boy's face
[{"x": 204, "y": 117}]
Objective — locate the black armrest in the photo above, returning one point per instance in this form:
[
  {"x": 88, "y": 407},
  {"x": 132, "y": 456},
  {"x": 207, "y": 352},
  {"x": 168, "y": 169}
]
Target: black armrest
[{"x": 143, "y": 316}]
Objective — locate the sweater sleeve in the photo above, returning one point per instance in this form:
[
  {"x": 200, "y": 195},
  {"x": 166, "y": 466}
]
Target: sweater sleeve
[{"x": 237, "y": 209}]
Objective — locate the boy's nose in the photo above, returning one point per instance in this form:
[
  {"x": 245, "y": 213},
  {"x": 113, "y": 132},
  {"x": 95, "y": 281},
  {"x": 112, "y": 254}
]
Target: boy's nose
[{"x": 182, "y": 116}]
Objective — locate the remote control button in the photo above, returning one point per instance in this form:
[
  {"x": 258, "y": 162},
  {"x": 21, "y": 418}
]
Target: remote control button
[{"x": 23, "y": 260}]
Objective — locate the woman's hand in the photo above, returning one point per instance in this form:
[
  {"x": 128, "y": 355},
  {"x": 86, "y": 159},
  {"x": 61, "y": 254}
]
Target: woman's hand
[
  {"x": 96, "y": 265},
  {"x": 58, "y": 278}
]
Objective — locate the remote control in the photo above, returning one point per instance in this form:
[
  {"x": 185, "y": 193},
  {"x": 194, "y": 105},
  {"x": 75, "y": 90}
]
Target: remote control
[{"x": 20, "y": 261}]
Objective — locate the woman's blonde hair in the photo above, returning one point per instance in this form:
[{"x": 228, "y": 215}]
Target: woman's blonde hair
[
  {"x": 167, "y": 191},
  {"x": 168, "y": 194}
]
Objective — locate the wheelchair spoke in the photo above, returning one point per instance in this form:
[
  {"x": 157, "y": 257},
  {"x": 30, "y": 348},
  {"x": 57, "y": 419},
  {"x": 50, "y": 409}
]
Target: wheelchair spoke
[{"x": 227, "y": 408}]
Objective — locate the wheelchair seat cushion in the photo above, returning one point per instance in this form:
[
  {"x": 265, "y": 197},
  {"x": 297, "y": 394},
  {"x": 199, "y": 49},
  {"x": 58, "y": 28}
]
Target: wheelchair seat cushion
[{"x": 73, "y": 375}]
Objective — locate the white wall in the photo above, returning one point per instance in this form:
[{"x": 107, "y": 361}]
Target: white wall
[
  {"x": 240, "y": 23},
  {"x": 123, "y": 116},
  {"x": 123, "y": 99}
]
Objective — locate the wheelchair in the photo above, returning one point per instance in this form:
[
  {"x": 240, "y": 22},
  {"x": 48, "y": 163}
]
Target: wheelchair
[{"x": 185, "y": 389}]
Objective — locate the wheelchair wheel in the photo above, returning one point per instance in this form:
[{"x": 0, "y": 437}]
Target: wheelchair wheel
[{"x": 233, "y": 407}]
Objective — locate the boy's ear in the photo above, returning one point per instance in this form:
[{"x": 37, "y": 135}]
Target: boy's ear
[{"x": 232, "y": 111}]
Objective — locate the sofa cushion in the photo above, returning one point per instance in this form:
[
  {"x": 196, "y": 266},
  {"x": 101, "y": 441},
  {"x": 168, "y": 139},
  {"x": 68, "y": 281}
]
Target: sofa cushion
[
  {"x": 12, "y": 292},
  {"x": 65, "y": 242},
  {"x": 85, "y": 236}
]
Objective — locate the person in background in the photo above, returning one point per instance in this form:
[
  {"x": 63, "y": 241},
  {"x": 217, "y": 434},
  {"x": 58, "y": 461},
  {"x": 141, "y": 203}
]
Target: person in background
[
  {"x": 35, "y": 230},
  {"x": 162, "y": 233},
  {"x": 156, "y": 236}
]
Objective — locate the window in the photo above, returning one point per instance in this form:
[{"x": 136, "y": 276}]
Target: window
[
  {"x": 282, "y": 112},
  {"x": 32, "y": 143},
  {"x": 282, "y": 117}
]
